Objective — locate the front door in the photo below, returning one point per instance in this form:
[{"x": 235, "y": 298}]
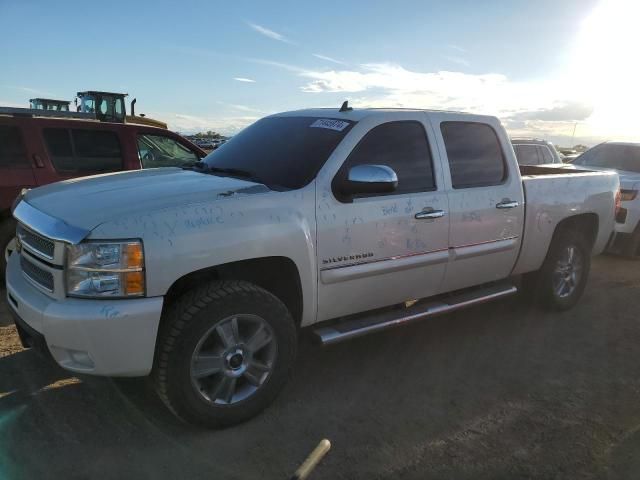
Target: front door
[{"x": 376, "y": 250}]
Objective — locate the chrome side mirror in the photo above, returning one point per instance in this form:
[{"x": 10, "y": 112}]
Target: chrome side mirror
[{"x": 369, "y": 179}]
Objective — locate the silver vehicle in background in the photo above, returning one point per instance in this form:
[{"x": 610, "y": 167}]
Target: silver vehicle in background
[
  {"x": 623, "y": 158},
  {"x": 533, "y": 151}
]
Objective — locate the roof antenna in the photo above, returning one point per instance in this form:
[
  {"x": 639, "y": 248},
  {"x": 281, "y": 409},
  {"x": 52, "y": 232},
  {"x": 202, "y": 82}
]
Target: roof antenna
[{"x": 345, "y": 107}]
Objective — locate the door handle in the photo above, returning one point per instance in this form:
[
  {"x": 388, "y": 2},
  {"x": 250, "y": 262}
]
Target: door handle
[
  {"x": 506, "y": 203},
  {"x": 38, "y": 160},
  {"x": 429, "y": 214}
]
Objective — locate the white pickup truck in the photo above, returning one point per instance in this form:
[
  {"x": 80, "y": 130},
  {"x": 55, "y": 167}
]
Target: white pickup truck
[{"x": 345, "y": 221}]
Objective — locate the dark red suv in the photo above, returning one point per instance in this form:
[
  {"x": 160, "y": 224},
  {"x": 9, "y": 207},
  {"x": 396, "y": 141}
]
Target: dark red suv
[{"x": 35, "y": 151}]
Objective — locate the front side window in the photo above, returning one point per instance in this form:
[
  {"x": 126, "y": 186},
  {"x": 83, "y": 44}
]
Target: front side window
[
  {"x": 474, "y": 153},
  {"x": 83, "y": 150},
  {"x": 159, "y": 151},
  {"x": 527, "y": 154},
  {"x": 12, "y": 151},
  {"x": 402, "y": 146}
]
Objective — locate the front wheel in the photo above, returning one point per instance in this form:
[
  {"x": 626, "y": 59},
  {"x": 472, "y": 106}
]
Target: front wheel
[
  {"x": 224, "y": 353},
  {"x": 559, "y": 284}
]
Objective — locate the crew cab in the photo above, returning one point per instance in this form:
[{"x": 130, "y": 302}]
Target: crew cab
[
  {"x": 36, "y": 150},
  {"x": 343, "y": 222}
]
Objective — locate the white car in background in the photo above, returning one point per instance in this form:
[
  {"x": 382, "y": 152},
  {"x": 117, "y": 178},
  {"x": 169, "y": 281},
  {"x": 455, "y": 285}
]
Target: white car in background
[{"x": 623, "y": 158}]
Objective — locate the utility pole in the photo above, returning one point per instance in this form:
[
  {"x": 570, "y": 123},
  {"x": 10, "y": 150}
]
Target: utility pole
[{"x": 575, "y": 125}]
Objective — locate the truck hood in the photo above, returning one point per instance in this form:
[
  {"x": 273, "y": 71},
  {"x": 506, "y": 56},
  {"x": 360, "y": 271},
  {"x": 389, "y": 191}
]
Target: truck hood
[{"x": 87, "y": 202}]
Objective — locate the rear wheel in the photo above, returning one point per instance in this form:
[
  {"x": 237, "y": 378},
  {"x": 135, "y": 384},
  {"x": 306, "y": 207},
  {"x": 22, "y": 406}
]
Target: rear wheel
[
  {"x": 224, "y": 353},
  {"x": 559, "y": 284}
]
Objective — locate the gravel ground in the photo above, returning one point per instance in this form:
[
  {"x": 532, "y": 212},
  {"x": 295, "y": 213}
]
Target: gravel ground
[{"x": 496, "y": 391}]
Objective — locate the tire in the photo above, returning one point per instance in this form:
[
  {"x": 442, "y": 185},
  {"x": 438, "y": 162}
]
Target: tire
[
  {"x": 7, "y": 234},
  {"x": 544, "y": 286},
  {"x": 203, "y": 321}
]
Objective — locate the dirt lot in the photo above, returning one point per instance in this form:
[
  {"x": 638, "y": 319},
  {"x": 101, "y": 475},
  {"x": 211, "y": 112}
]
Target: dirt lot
[{"x": 497, "y": 391}]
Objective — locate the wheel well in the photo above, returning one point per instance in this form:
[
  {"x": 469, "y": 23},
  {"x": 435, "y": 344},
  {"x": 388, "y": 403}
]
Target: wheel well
[
  {"x": 585, "y": 223},
  {"x": 277, "y": 275}
]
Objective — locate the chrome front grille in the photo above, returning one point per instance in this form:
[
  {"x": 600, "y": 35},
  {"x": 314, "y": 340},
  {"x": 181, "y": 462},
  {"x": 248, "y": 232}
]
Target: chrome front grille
[
  {"x": 36, "y": 274},
  {"x": 40, "y": 245}
]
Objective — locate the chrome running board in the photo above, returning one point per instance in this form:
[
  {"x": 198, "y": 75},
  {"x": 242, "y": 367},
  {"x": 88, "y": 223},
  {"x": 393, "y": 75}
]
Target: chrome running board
[{"x": 363, "y": 324}]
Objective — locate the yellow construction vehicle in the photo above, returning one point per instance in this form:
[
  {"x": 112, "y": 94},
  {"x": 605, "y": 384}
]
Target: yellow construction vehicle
[{"x": 110, "y": 107}]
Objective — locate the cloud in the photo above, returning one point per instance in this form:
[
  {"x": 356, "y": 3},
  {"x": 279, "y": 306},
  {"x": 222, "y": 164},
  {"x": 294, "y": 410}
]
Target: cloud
[
  {"x": 271, "y": 63},
  {"x": 244, "y": 79},
  {"x": 457, "y": 60},
  {"x": 328, "y": 59},
  {"x": 243, "y": 108},
  {"x": 537, "y": 108},
  {"x": 269, "y": 33},
  {"x": 29, "y": 90},
  {"x": 457, "y": 48},
  {"x": 566, "y": 112}
]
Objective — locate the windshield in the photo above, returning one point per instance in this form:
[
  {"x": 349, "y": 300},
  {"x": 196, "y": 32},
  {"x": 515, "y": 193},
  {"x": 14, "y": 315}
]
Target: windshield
[
  {"x": 281, "y": 152},
  {"x": 617, "y": 157}
]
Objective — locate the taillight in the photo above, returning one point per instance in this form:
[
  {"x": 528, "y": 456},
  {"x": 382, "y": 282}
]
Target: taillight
[
  {"x": 618, "y": 202},
  {"x": 628, "y": 195}
]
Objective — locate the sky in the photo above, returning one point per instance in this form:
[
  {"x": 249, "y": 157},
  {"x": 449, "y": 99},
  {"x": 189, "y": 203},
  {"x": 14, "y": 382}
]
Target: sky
[{"x": 563, "y": 70}]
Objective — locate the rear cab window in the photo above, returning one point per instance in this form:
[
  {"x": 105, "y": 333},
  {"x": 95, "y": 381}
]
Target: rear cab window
[
  {"x": 527, "y": 154},
  {"x": 475, "y": 156},
  {"x": 83, "y": 150}
]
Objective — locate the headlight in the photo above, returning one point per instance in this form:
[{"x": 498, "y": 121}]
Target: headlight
[{"x": 105, "y": 269}]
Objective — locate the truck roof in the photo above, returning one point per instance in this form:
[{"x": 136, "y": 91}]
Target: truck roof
[{"x": 358, "y": 114}]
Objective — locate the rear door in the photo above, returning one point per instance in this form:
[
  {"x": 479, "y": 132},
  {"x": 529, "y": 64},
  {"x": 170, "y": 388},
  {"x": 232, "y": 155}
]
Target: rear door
[
  {"x": 485, "y": 199},
  {"x": 15, "y": 166}
]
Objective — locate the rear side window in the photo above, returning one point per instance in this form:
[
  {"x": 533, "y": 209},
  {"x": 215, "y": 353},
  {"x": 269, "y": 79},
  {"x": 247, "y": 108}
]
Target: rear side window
[
  {"x": 403, "y": 146},
  {"x": 79, "y": 150},
  {"x": 12, "y": 151},
  {"x": 475, "y": 155},
  {"x": 527, "y": 154}
]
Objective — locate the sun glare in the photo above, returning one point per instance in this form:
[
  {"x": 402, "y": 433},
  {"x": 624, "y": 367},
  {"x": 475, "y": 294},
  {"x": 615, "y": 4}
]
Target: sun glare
[{"x": 605, "y": 70}]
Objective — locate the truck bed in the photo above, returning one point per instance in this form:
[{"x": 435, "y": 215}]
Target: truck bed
[{"x": 553, "y": 194}]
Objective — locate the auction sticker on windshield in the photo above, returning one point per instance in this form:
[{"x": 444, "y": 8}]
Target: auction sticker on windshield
[{"x": 337, "y": 125}]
